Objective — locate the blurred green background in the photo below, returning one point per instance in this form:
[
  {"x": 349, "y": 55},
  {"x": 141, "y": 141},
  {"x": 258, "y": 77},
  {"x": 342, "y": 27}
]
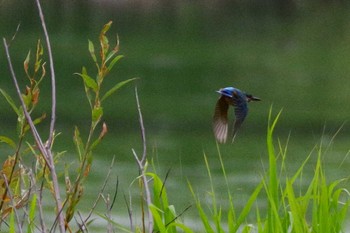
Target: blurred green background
[{"x": 292, "y": 54}]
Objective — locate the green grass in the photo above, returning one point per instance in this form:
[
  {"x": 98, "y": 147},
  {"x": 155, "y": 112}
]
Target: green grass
[
  {"x": 321, "y": 206},
  {"x": 294, "y": 202}
]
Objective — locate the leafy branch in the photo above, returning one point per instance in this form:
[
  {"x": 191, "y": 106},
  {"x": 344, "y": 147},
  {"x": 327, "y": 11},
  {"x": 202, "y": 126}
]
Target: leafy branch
[{"x": 107, "y": 59}]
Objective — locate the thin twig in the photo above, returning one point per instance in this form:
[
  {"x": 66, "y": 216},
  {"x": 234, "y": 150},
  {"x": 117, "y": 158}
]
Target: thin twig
[
  {"x": 40, "y": 204},
  {"x": 25, "y": 111},
  {"x": 14, "y": 35},
  {"x": 12, "y": 203},
  {"x": 59, "y": 214},
  {"x": 128, "y": 206},
  {"x": 101, "y": 191},
  {"x": 18, "y": 146},
  {"x": 142, "y": 164},
  {"x": 40, "y": 201},
  {"x": 143, "y": 134},
  {"x": 52, "y": 124},
  {"x": 25, "y": 199},
  {"x": 46, "y": 153},
  {"x": 53, "y": 79},
  {"x": 108, "y": 214},
  {"x": 82, "y": 227}
]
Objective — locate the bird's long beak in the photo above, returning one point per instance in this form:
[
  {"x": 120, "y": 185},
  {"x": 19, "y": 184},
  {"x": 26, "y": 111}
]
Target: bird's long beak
[{"x": 253, "y": 98}]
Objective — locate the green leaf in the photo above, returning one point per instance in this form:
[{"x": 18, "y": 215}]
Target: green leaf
[
  {"x": 26, "y": 64},
  {"x": 106, "y": 27},
  {"x": 8, "y": 141},
  {"x": 104, "y": 47},
  {"x": 120, "y": 227},
  {"x": 95, "y": 143},
  {"x": 115, "y": 60},
  {"x": 273, "y": 174},
  {"x": 92, "y": 51},
  {"x": 104, "y": 40},
  {"x": 157, "y": 219},
  {"x": 10, "y": 101},
  {"x": 116, "y": 87},
  {"x": 27, "y": 99},
  {"x": 39, "y": 54},
  {"x": 88, "y": 81},
  {"x": 32, "y": 214},
  {"x": 12, "y": 227},
  {"x": 202, "y": 214},
  {"x": 35, "y": 122},
  {"x": 246, "y": 210},
  {"x": 78, "y": 143},
  {"x": 21, "y": 120},
  {"x": 112, "y": 53},
  {"x": 100, "y": 137},
  {"x": 183, "y": 227},
  {"x": 97, "y": 113}
]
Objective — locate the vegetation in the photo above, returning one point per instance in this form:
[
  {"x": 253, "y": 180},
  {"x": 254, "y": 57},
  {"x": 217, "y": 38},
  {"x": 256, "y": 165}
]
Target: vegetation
[{"x": 321, "y": 206}]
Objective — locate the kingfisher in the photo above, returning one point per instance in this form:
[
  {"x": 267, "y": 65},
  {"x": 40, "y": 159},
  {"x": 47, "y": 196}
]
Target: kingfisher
[{"x": 238, "y": 99}]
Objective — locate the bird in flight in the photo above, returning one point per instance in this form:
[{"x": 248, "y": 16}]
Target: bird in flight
[{"x": 238, "y": 99}]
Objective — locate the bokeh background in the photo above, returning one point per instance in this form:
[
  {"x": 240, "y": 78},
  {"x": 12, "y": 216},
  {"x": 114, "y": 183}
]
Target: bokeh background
[{"x": 294, "y": 55}]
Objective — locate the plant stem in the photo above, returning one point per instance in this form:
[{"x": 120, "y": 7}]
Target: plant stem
[
  {"x": 142, "y": 163},
  {"x": 53, "y": 79}
]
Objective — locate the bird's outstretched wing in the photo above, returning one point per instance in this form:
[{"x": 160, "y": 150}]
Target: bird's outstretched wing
[
  {"x": 220, "y": 122},
  {"x": 241, "y": 111}
]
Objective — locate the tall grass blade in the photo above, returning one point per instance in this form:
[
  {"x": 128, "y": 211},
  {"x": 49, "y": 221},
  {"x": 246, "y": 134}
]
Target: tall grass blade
[
  {"x": 246, "y": 210},
  {"x": 201, "y": 212},
  {"x": 272, "y": 189},
  {"x": 183, "y": 227},
  {"x": 12, "y": 227},
  {"x": 158, "y": 223},
  {"x": 115, "y": 224},
  {"x": 31, "y": 216},
  {"x": 160, "y": 201},
  {"x": 297, "y": 214}
]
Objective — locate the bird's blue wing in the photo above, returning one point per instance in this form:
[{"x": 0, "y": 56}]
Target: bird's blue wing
[{"x": 241, "y": 111}]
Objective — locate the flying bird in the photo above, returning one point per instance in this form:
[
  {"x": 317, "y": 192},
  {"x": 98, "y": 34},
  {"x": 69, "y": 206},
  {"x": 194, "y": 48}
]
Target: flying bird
[{"x": 238, "y": 99}]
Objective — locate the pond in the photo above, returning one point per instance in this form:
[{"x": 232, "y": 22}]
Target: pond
[{"x": 300, "y": 66}]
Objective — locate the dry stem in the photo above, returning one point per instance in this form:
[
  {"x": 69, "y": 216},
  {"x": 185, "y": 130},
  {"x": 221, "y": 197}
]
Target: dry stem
[{"x": 142, "y": 165}]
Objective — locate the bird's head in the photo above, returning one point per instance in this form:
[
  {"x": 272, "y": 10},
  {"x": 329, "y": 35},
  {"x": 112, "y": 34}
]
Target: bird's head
[
  {"x": 252, "y": 98},
  {"x": 227, "y": 91}
]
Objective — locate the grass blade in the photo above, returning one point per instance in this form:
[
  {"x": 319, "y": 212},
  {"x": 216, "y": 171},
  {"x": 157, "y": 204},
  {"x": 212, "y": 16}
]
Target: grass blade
[
  {"x": 246, "y": 210},
  {"x": 31, "y": 216}
]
